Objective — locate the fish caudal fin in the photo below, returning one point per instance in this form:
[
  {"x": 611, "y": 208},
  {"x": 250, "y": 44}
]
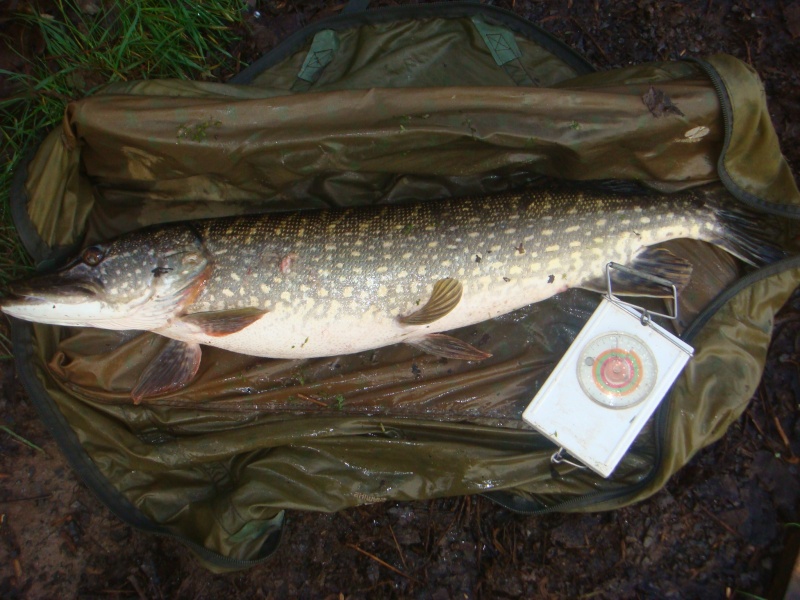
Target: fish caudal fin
[
  {"x": 174, "y": 367},
  {"x": 745, "y": 234}
]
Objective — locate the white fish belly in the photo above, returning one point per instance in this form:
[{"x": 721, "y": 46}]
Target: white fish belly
[{"x": 287, "y": 333}]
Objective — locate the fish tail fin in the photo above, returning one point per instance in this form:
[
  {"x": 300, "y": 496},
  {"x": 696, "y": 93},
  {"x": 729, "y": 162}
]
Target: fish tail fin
[{"x": 746, "y": 234}]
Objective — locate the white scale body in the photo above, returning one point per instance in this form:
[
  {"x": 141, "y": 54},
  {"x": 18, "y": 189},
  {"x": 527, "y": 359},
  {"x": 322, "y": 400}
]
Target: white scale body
[{"x": 607, "y": 385}]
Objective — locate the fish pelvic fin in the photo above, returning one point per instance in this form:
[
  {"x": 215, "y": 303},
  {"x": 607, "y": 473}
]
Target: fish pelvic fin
[
  {"x": 446, "y": 346},
  {"x": 173, "y": 368},
  {"x": 224, "y": 322},
  {"x": 445, "y": 297}
]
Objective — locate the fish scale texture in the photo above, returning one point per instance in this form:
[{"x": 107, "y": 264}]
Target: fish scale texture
[{"x": 389, "y": 257}]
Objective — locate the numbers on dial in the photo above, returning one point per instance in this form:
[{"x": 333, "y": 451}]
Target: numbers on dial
[{"x": 617, "y": 370}]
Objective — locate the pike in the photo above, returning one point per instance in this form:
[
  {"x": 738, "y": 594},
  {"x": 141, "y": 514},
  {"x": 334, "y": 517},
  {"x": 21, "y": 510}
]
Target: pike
[{"x": 339, "y": 281}]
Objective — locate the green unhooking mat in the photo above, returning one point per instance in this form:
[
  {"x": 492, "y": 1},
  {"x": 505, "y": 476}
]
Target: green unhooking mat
[{"x": 385, "y": 106}]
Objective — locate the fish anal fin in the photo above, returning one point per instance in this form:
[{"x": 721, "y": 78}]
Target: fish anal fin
[
  {"x": 224, "y": 322},
  {"x": 445, "y": 297},
  {"x": 440, "y": 344},
  {"x": 654, "y": 261},
  {"x": 174, "y": 367}
]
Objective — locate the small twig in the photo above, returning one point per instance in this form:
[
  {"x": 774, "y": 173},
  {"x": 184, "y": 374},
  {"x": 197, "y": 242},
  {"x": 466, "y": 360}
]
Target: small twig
[
  {"x": 770, "y": 412},
  {"x": 59, "y": 522},
  {"x": 591, "y": 39},
  {"x": 19, "y": 438},
  {"x": 721, "y": 522},
  {"x": 551, "y": 18},
  {"x": 513, "y": 548},
  {"x": 462, "y": 508},
  {"x": 98, "y": 544},
  {"x": 757, "y": 426},
  {"x": 27, "y": 499},
  {"x": 498, "y": 546},
  {"x": 383, "y": 563},
  {"x": 399, "y": 551},
  {"x": 455, "y": 518},
  {"x": 310, "y": 399},
  {"x": 73, "y": 548},
  {"x": 478, "y": 526},
  {"x": 137, "y": 587},
  {"x": 747, "y": 47},
  {"x": 781, "y": 432},
  {"x": 428, "y": 533}
]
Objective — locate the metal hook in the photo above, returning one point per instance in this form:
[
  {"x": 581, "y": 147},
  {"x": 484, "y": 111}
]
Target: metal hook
[
  {"x": 646, "y": 315},
  {"x": 558, "y": 457}
]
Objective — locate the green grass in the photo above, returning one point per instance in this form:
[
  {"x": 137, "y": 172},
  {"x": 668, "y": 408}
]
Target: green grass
[{"x": 126, "y": 40}]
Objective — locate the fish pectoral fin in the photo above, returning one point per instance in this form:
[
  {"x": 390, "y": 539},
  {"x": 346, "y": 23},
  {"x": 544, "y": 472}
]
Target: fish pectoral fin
[
  {"x": 654, "y": 261},
  {"x": 445, "y": 297},
  {"x": 224, "y": 322},
  {"x": 173, "y": 367},
  {"x": 440, "y": 344}
]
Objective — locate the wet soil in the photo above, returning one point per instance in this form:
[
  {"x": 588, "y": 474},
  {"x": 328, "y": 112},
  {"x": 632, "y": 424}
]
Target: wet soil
[{"x": 719, "y": 529}]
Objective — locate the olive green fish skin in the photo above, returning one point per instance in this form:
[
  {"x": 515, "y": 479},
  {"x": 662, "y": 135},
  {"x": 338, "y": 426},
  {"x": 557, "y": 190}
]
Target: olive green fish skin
[
  {"x": 346, "y": 275},
  {"x": 386, "y": 259},
  {"x": 340, "y": 281}
]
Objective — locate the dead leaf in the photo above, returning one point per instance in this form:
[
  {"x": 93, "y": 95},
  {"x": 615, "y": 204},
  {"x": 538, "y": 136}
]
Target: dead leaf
[{"x": 659, "y": 104}]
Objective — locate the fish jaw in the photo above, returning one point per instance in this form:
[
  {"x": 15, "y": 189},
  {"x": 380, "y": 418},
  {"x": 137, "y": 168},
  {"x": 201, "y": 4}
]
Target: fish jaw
[
  {"x": 52, "y": 312},
  {"x": 64, "y": 299},
  {"x": 82, "y": 310},
  {"x": 84, "y": 314}
]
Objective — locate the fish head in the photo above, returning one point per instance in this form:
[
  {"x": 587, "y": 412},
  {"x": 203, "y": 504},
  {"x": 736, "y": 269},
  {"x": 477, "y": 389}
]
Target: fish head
[{"x": 140, "y": 280}]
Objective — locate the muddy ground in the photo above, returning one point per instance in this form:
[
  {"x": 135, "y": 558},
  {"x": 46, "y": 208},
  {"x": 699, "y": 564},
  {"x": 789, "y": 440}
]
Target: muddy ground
[{"x": 721, "y": 528}]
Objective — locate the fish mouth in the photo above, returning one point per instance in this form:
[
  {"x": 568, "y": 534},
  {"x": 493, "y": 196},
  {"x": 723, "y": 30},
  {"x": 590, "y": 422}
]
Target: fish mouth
[
  {"x": 13, "y": 301},
  {"x": 52, "y": 288},
  {"x": 25, "y": 298}
]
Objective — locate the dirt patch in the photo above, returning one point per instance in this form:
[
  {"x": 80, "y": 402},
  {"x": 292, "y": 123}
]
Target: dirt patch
[{"x": 718, "y": 528}]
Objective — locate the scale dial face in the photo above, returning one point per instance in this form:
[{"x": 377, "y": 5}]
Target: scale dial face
[{"x": 617, "y": 370}]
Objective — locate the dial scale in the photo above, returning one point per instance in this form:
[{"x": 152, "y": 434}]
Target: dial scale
[
  {"x": 607, "y": 385},
  {"x": 617, "y": 370}
]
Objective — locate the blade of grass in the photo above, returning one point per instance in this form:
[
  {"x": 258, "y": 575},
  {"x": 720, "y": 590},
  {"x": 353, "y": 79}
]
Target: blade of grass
[
  {"x": 125, "y": 40},
  {"x": 19, "y": 438}
]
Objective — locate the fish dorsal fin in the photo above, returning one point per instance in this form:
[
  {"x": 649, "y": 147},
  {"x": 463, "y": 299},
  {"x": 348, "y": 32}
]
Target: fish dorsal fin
[
  {"x": 440, "y": 344},
  {"x": 174, "y": 367},
  {"x": 654, "y": 261},
  {"x": 444, "y": 298},
  {"x": 224, "y": 322}
]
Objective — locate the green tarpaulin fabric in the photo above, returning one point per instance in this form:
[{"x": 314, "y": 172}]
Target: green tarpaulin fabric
[{"x": 387, "y": 108}]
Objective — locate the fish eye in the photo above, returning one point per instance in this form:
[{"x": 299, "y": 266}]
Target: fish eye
[
  {"x": 192, "y": 259},
  {"x": 93, "y": 256}
]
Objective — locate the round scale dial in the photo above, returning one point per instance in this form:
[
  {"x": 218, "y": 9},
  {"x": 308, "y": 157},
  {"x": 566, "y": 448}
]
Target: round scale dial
[{"x": 617, "y": 370}]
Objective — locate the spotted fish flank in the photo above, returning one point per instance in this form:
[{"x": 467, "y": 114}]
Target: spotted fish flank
[{"x": 329, "y": 282}]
